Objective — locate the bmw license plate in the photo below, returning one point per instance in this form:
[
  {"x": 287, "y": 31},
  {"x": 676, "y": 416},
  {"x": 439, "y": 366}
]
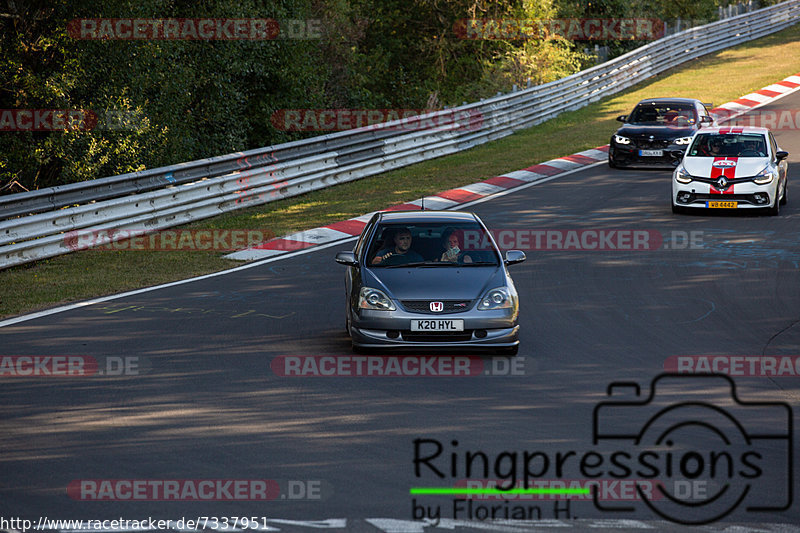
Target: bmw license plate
[
  {"x": 724, "y": 205},
  {"x": 438, "y": 324},
  {"x": 651, "y": 153}
]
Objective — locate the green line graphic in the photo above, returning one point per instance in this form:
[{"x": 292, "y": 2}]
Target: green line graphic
[{"x": 449, "y": 490}]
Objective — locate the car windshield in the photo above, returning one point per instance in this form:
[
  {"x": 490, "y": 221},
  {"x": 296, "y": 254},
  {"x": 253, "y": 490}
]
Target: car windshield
[
  {"x": 728, "y": 145},
  {"x": 431, "y": 244},
  {"x": 663, "y": 115}
]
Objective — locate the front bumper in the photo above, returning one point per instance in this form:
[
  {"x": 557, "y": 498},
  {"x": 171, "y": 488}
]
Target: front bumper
[
  {"x": 747, "y": 195},
  {"x": 482, "y": 329},
  {"x": 628, "y": 155}
]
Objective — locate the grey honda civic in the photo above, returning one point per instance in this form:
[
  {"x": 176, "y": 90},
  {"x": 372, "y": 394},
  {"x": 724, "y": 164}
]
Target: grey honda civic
[{"x": 430, "y": 279}]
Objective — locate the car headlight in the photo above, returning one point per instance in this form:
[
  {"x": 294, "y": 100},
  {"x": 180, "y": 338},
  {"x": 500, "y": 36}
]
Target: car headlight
[
  {"x": 683, "y": 140},
  {"x": 682, "y": 175},
  {"x": 374, "y": 299},
  {"x": 498, "y": 298},
  {"x": 619, "y": 139},
  {"x": 765, "y": 176}
]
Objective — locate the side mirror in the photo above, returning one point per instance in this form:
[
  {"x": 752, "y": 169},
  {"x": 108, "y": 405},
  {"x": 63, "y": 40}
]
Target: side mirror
[
  {"x": 781, "y": 155},
  {"x": 622, "y": 118},
  {"x": 705, "y": 119},
  {"x": 676, "y": 155},
  {"x": 346, "y": 258},
  {"x": 514, "y": 256}
]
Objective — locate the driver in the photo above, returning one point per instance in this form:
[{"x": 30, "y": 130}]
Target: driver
[
  {"x": 753, "y": 145},
  {"x": 401, "y": 253}
]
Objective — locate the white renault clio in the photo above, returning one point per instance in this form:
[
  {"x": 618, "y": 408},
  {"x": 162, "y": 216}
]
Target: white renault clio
[{"x": 731, "y": 168}]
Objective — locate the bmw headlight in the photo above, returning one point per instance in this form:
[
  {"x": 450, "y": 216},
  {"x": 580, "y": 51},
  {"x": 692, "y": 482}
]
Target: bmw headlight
[
  {"x": 765, "y": 176},
  {"x": 683, "y": 140},
  {"x": 619, "y": 139},
  {"x": 682, "y": 175},
  {"x": 498, "y": 298},
  {"x": 374, "y": 299}
]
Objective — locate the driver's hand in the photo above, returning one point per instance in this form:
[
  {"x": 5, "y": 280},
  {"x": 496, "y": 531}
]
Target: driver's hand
[{"x": 380, "y": 258}]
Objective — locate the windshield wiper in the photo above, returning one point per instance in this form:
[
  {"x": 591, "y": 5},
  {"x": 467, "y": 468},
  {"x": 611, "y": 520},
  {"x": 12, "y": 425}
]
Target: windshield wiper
[
  {"x": 416, "y": 263},
  {"x": 478, "y": 264}
]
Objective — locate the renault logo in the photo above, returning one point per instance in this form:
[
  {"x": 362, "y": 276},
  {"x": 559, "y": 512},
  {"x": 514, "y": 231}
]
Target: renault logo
[
  {"x": 722, "y": 183},
  {"x": 437, "y": 307}
]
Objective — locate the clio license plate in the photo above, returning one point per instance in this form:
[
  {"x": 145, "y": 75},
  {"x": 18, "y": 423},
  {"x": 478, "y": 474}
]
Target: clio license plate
[{"x": 723, "y": 205}]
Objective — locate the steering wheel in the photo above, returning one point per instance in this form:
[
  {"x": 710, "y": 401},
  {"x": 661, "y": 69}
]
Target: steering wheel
[
  {"x": 464, "y": 258},
  {"x": 750, "y": 153}
]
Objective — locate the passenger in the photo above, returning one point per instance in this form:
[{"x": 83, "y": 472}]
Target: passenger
[
  {"x": 713, "y": 147},
  {"x": 451, "y": 243},
  {"x": 401, "y": 253}
]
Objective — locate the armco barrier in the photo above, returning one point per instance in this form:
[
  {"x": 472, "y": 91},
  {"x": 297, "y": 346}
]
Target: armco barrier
[{"x": 33, "y": 225}]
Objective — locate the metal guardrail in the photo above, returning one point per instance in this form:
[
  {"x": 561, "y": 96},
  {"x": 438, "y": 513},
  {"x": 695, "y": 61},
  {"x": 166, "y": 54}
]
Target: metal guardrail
[{"x": 38, "y": 224}]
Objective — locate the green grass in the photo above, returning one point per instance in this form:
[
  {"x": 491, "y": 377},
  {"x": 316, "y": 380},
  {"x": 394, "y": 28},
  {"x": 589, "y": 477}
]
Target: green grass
[{"x": 716, "y": 78}]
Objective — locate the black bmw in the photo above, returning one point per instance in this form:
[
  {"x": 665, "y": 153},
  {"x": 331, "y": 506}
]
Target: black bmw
[{"x": 655, "y": 131}]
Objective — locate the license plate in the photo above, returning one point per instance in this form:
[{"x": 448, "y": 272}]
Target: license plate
[
  {"x": 651, "y": 153},
  {"x": 725, "y": 205},
  {"x": 439, "y": 324}
]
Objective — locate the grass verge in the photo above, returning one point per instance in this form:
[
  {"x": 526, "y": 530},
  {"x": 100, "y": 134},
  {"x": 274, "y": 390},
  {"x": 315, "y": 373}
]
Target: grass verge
[{"x": 716, "y": 78}]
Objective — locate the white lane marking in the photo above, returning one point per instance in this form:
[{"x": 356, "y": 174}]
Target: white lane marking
[
  {"x": 599, "y": 155},
  {"x": 434, "y": 203},
  {"x": 249, "y": 254},
  {"x": 760, "y": 98},
  {"x": 563, "y": 164},
  {"x": 390, "y": 525},
  {"x": 317, "y": 235},
  {"x": 70, "y": 307},
  {"x": 524, "y": 175},
  {"x": 619, "y": 524},
  {"x": 482, "y": 188},
  {"x": 777, "y": 88},
  {"x": 330, "y": 523}
]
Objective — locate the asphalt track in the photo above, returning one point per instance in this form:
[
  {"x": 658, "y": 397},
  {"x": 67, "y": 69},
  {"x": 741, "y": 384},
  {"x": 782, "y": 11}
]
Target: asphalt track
[{"x": 206, "y": 403}]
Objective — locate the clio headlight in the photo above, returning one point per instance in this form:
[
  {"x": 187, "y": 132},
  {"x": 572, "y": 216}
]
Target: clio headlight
[
  {"x": 765, "y": 176},
  {"x": 682, "y": 175}
]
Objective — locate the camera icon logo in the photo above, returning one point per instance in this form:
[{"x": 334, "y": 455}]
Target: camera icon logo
[{"x": 741, "y": 454}]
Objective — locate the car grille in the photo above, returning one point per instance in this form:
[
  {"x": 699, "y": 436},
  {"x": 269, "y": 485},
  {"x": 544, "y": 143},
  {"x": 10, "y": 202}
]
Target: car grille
[
  {"x": 436, "y": 336},
  {"x": 655, "y": 144},
  {"x": 450, "y": 306}
]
